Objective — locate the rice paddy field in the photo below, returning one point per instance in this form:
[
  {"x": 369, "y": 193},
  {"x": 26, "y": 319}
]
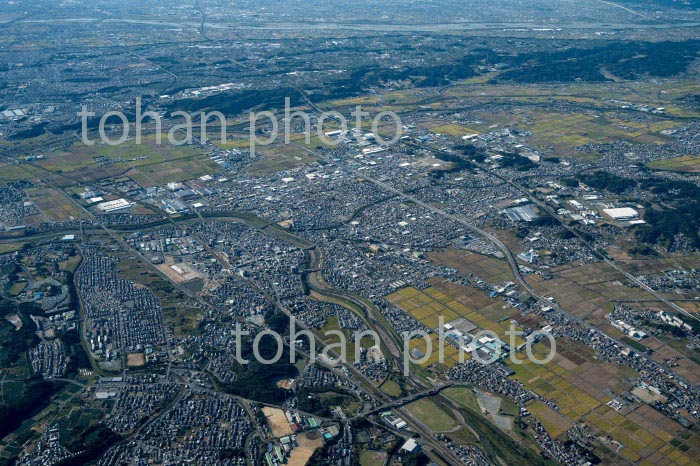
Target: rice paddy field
[
  {"x": 657, "y": 265},
  {"x": 690, "y": 306},
  {"x": 687, "y": 164},
  {"x": 281, "y": 156},
  {"x": 579, "y": 384},
  {"x": 435, "y": 305},
  {"x": 55, "y": 205},
  {"x": 147, "y": 163},
  {"x": 453, "y": 129},
  {"x": 573, "y": 380},
  {"x": 582, "y": 289},
  {"x": 166, "y": 172},
  {"x": 365, "y": 101},
  {"x": 11, "y": 172},
  {"x": 563, "y": 131},
  {"x": 487, "y": 268},
  {"x": 645, "y": 436},
  {"x": 566, "y": 131},
  {"x": 656, "y": 94},
  {"x": 601, "y": 121},
  {"x": 130, "y": 153},
  {"x": 589, "y": 291},
  {"x": 555, "y": 423}
]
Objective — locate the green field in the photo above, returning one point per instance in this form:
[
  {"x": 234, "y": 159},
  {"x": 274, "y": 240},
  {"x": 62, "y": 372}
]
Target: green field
[
  {"x": 432, "y": 415},
  {"x": 148, "y": 163},
  {"x": 687, "y": 163},
  {"x": 515, "y": 447},
  {"x": 463, "y": 396},
  {"x": 55, "y": 205},
  {"x": 372, "y": 458},
  {"x": 391, "y": 388}
]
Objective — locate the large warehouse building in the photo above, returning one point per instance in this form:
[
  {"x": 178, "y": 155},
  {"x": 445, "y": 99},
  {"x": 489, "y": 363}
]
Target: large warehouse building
[
  {"x": 113, "y": 206},
  {"x": 622, "y": 213}
]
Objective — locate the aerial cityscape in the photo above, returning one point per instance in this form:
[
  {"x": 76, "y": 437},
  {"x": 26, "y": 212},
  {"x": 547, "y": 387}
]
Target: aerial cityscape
[{"x": 349, "y": 233}]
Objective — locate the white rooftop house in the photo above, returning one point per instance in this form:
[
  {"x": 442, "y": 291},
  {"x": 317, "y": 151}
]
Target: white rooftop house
[{"x": 410, "y": 446}]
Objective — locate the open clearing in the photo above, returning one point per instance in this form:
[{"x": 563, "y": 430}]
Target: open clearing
[
  {"x": 372, "y": 458},
  {"x": 179, "y": 273},
  {"x": 488, "y": 403},
  {"x": 308, "y": 443},
  {"x": 278, "y": 421},
  {"x": 432, "y": 415},
  {"x": 463, "y": 396},
  {"x": 136, "y": 360}
]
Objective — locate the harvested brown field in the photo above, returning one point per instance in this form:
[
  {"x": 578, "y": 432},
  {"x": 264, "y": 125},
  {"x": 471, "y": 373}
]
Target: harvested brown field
[
  {"x": 308, "y": 443},
  {"x": 278, "y": 421},
  {"x": 136, "y": 360},
  {"x": 555, "y": 423},
  {"x": 488, "y": 268}
]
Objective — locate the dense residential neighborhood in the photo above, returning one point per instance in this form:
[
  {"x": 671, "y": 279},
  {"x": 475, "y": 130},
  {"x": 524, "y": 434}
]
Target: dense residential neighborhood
[{"x": 278, "y": 232}]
